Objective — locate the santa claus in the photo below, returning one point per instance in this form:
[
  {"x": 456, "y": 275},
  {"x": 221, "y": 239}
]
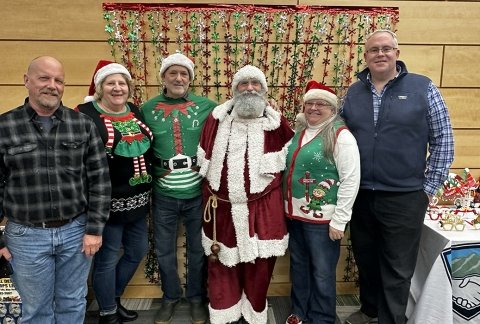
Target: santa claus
[{"x": 241, "y": 155}]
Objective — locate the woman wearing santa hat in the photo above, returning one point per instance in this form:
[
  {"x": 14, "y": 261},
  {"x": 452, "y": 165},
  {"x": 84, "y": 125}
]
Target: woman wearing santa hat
[
  {"x": 127, "y": 143},
  {"x": 320, "y": 185}
]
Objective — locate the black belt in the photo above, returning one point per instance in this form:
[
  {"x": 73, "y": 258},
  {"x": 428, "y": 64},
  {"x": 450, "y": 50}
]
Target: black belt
[
  {"x": 179, "y": 163},
  {"x": 54, "y": 223}
]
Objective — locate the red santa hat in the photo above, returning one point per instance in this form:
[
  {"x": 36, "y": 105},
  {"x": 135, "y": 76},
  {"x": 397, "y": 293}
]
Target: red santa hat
[
  {"x": 104, "y": 68},
  {"x": 315, "y": 90},
  {"x": 178, "y": 59},
  {"x": 249, "y": 72},
  {"x": 326, "y": 184}
]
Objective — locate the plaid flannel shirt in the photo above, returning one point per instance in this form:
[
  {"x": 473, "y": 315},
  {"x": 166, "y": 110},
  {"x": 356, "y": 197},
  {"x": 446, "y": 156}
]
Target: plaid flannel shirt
[{"x": 52, "y": 176}]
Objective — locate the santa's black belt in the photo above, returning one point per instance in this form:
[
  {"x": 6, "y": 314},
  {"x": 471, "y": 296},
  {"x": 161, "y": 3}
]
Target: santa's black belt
[{"x": 178, "y": 163}]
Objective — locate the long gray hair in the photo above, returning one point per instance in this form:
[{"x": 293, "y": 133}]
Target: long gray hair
[{"x": 327, "y": 131}]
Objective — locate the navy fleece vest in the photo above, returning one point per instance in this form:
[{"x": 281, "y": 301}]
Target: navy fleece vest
[{"x": 393, "y": 152}]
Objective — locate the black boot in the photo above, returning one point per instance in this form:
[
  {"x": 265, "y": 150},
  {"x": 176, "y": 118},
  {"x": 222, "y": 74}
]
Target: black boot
[
  {"x": 109, "y": 319},
  {"x": 125, "y": 314}
]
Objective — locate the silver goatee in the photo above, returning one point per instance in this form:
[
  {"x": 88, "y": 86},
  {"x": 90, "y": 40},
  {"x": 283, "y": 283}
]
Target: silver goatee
[{"x": 249, "y": 104}]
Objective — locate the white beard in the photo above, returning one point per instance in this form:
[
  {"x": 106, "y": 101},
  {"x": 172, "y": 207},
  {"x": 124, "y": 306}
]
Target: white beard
[{"x": 249, "y": 105}]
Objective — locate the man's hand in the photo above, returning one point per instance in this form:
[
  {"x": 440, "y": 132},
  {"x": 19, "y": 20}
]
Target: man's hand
[
  {"x": 6, "y": 253},
  {"x": 334, "y": 233},
  {"x": 273, "y": 103},
  {"x": 91, "y": 244}
]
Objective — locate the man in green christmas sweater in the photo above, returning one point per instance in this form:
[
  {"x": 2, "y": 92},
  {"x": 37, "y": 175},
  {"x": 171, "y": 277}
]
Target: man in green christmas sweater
[{"x": 176, "y": 117}]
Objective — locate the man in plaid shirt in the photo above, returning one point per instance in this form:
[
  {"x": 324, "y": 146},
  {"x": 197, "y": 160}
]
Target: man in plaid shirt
[{"x": 55, "y": 194}]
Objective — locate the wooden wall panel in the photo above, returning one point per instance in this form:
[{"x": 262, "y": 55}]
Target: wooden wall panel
[
  {"x": 13, "y": 96},
  {"x": 423, "y": 59},
  {"x": 460, "y": 68},
  {"x": 466, "y": 148},
  {"x": 73, "y": 20},
  {"x": 79, "y": 59},
  {"x": 463, "y": 106},
  {"x": 428, "y": 22}
]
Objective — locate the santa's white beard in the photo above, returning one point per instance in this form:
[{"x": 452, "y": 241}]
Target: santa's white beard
[{"x": 249, "y": 104}]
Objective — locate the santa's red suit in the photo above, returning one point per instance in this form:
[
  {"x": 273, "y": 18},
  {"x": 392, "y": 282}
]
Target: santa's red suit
[{"x": 242, "y": 160}]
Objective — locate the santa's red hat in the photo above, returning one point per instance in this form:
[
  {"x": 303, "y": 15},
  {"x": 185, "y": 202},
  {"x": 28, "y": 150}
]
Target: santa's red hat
[
  {"x": 104, "y": 68},
  {"x": 315, "y": 90}
]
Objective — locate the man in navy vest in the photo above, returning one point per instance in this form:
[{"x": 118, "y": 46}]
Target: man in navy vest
[{"x": 397, "y": 118}]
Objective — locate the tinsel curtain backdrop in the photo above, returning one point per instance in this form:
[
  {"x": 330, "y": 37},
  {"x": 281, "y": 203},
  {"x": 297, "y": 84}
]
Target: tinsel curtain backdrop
[{"x": 290, "y": 44}]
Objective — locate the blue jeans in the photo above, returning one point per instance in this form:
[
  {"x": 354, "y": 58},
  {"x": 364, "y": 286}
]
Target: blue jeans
[
  {"x": 313, "y": 263},
  {"x": 167, "y": 212},
  {"x": 112, "y": 270},
  {"x": 50, "y": 271}
]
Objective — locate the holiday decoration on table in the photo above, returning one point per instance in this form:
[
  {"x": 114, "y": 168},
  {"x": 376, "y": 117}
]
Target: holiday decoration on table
[
  {"x": 290, "y": 44},
  {"x": 459, "y": 190}
]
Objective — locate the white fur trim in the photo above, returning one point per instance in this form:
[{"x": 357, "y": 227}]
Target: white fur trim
[
  {"x": 321, "y": 95},
  {"x": 247, "y": 246},
  {"x": 231, "y": 256},
  {"x": 232, "y": 314},
  {"x": 250, "y": 315},
  {"x": 253, "y": 128},
  {"x": 228, "y": 315},
  {"x": 202, "y": 162},
  {"x": 110, "y": 69},
  {"x": 88, "y": 99},
  {"x": 274, "y": 162},
  {"x": 227, "y": 256}
]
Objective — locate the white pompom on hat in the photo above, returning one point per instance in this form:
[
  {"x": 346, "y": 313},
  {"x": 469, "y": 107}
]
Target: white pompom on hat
[
  {"x": 249, "y": 72},
  {"x": 178, "y": 59},
  {"x": 104, "y": 68},
  {"x": 315, "y": 90}
]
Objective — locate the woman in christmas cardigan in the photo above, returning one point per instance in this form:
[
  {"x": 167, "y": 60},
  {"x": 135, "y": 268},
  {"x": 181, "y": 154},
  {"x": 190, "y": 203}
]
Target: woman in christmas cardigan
[
  {"x": 127, "y": 143},
  {"x": 320, "y": 185}
]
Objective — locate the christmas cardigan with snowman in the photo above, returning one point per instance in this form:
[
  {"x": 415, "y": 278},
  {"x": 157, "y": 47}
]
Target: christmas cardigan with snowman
[{"x": 317, "y": 190}]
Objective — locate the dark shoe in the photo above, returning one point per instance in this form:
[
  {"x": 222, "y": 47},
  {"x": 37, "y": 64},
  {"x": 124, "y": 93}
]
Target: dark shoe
[
  {"x": 109, "y": 319},
  {"x": 125, "y": 314},
  {"x": 165, "y": 313},
  {"x": 359, "y": 318},
  {"x": 199, "y": 313}
]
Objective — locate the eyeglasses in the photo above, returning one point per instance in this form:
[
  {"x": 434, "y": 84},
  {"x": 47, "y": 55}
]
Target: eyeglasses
[
  {"x": 320, "y": 104},
  {"x": 384, "y": 50},
  {"x": 452, "y": 222}
]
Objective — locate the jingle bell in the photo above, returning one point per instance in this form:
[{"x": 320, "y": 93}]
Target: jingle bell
[{"x": 215, "y": 248}]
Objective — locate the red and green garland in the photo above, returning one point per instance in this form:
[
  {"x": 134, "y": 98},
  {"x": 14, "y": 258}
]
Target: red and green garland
[{"x": 290, "y": 44}]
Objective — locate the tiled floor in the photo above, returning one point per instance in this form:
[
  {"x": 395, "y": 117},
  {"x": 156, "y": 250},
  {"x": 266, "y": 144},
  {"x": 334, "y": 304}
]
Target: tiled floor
[{"x": 279, "y": 309}]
